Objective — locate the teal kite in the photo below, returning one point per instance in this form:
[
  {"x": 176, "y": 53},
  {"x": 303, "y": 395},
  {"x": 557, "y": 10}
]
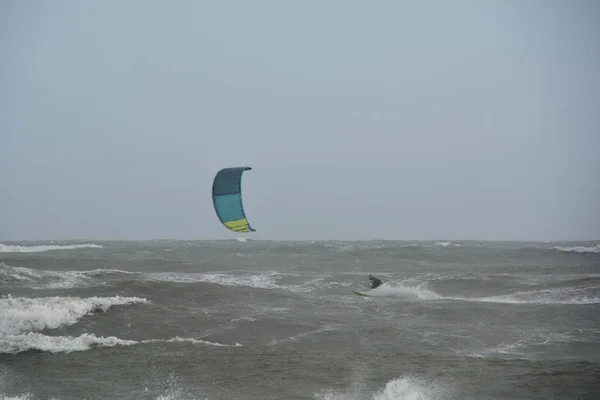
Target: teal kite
[{"x": 227, "y": 199}]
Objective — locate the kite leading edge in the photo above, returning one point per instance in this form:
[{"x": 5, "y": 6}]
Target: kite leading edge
[{"x": 227, "y": 199}]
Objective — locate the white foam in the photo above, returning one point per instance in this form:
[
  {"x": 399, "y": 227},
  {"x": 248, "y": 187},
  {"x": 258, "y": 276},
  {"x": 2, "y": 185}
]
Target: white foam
[
  {"x": 579, "y": 249},
  {"x": 57, "y": 344},
  {"x": 404, "y": 388},
  {"x": 104, "y": 271},
  {"x": 9, "y": 273},
  {"x": 172, "y": 387},
  {"x": 409, "y": 388},
  {"x": 23, "y": 314},
  {"x": 46, "y": 279},
  {"x": 24, "y": 396},
  {"x": 35, "y": 249},
  {"x": 262, "y": 281},
  {"x": 417, "y": 292},
  {"x": 550, "y": 296},
  {"x": 527, "y": 340},
  {"x": 436, "y": 244},
  {"x": 317, "y": 284},
  {"x": 189, "y": 340},
  {"x": 41, "y": 279},
  {"x": 555, "y": 296},
  {"x": 12, "y": 344},
  {"x": 347, "y": 247}
]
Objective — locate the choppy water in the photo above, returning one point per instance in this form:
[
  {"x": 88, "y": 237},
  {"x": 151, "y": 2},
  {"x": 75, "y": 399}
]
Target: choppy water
[{"x": 277, "y": 320}]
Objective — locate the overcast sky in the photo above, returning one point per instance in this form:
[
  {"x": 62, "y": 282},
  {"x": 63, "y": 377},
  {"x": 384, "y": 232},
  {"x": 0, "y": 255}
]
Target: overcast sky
[{"x": 361, "y": 119}]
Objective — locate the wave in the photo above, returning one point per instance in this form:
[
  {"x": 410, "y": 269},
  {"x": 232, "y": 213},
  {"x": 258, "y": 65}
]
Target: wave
[
  {"x": 13, "y": 344},
  {"x": 10, "y": 273},
  {"x": 530, "y": 344},
  {"x": 457, "y": 251},
  {"x": 436, "y": 244},
  {"x": 35, "y": 249},
  {"x": 23, "y": 314},
  {"x": 572, "y": 282},
  {"x": 422, "y": 248},
  {"x": 43, "y": 279},
  {"x": 383, "y": 245},
  {"x": 46, "y": 279},
  {"x": 578, "y": 249},
  {"x": 569, "y": 289},
  {"x": 22, "y": 317},
  {"x": 520, "y": 345},
  {"x": 265, "y": 280},
  {"x": 17, "y": 274},
  {"x": 408, "y": 387},
  {"x": 552, "y": 251}
]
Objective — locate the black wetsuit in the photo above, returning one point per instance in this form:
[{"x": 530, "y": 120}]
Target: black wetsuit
[{"x": 376, "y": 282}]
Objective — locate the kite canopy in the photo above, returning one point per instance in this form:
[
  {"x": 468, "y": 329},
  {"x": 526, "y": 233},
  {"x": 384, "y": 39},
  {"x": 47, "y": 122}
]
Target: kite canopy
[{"x": 227, "y": 199}]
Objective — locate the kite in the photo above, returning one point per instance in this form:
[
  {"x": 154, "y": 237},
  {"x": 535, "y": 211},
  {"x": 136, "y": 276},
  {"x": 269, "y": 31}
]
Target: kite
[{"x": 227, "y": 199}]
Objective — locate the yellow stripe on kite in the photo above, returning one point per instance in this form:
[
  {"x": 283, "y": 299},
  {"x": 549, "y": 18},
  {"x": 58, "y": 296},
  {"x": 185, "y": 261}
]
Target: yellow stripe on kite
[{"x": 240, "y": 225}]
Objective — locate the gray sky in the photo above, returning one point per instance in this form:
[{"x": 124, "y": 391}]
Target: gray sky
[{"x": 360, "y": 119}]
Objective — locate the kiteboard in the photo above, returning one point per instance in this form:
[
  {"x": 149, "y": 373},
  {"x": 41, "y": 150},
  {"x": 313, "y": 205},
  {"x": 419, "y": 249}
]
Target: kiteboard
[{"x": 356, "y": 292}]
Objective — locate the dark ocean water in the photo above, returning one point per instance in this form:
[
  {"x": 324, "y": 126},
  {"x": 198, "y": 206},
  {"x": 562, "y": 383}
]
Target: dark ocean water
[{"x": 278, "y": 320}]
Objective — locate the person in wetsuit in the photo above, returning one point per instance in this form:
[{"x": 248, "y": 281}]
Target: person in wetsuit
[{"x": 376, "y": 282}]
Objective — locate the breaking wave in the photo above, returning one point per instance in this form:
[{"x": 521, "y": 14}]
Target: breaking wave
[
  {"x": 408, "y": 387},
  {"x": 578, "y": 249},
  {"x": 22, "y": 314},
  {"x": 436, "y": 244},
  {"x": 21, "y": 318},
  {"x": 13, "y": 344}
]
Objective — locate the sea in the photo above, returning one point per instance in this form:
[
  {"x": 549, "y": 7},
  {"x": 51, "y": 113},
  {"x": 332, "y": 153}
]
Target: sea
[{"x": 258, "y": 320}]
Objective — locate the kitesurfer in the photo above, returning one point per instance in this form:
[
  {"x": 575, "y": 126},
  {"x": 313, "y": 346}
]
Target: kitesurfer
[{"x": 376, "y": 282}]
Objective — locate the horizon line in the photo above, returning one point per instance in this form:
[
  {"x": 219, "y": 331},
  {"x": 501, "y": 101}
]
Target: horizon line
[{"x": 294, "y": 240}]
